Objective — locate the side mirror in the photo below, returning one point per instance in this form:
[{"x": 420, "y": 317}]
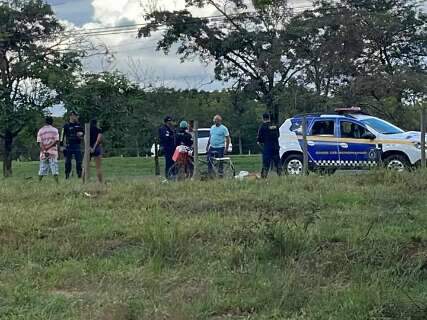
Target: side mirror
[{"x": 369, "y": 135}]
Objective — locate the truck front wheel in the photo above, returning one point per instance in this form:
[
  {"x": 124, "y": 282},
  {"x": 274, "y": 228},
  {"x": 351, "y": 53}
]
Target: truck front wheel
[{"x": 397, "y": 162}]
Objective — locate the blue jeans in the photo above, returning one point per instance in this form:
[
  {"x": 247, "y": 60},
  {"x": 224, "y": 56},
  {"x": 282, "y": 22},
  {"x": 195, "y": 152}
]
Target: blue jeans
[{"x": 215, "y": 153}]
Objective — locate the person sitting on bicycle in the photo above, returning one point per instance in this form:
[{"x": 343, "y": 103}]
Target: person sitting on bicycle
[
  {"x": 183, "y": 137},
  {"x": 183, "y": 167}
]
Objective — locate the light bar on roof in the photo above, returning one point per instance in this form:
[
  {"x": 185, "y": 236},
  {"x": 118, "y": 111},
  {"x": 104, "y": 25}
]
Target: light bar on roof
[{"x": 352, "y": 110}]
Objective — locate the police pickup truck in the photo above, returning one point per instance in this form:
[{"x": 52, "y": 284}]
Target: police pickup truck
[{"x": 349, "y": 139}]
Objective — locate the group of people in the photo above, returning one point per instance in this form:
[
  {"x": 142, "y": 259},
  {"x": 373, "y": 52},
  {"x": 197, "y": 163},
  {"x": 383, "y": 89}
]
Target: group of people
[
  {"x": 219, "y": 142},
  {"x": 171, "y": 137},
  {"x": 70, "y": 141}
]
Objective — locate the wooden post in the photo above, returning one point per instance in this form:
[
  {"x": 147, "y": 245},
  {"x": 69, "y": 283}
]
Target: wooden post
[
  {"x": 423, "y": 138},
  {"x": 86, "y": 158},
  {"x": 304, "y": 145},
  {"x": 196, "y": 150},
  {"x": 156, "y": 158}
]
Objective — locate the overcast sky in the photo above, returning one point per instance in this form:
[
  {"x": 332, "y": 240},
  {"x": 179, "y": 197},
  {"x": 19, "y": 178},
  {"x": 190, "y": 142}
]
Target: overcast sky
[{"x": 153, "y": 66}]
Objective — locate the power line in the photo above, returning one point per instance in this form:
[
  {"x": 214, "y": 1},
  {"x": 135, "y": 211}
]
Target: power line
[
  {"x": 109, "y": 31},
  {"x": 101, "y": 31},
  {"x": 131, "y": 28},
  {"x": 134, "y": 28},
  {"x": 104, "y": 29}
]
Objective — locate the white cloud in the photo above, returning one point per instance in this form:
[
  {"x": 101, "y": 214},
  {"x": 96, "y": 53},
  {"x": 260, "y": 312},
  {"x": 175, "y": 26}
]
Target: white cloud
[
  {"x": 125, "y": 46},
  {"x": 157, "y": 67},
  {"x": 112, "y": 12}
]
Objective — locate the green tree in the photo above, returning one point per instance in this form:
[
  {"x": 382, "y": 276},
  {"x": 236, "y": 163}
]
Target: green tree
[
  {"x": 327, "y": 45},
  {"x": 375, "y": 50},
  {"x": 114, "y": 101},
  {"x": 33, "y": 69},
  {"x": 254, "y": 48}
]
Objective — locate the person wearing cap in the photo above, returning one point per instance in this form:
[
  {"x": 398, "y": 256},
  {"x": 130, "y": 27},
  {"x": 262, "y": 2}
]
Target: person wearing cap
[
  {"x": 268, "y": 140},
  {"x": 167, "y": 139},
  {"x": 71, "y": 140},
  {"x": 183, "y": 137},
  {"x": 48, "y": 138}
]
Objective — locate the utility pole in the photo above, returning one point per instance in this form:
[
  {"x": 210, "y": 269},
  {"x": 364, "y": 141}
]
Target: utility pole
[
  {"x": 86, "y": 158},
  {"x": 196, "y": 150},
  {"x": 304, "y": 145},
  {"x": 156, "y": 158},
  {"x": 423, "y": 137}
]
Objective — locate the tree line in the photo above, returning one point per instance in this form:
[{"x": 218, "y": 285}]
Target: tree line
[{"x": 348, "y": 52}]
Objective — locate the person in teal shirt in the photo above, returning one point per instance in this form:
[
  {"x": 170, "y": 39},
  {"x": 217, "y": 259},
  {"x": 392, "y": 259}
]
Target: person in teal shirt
[{"x": 219, "y": 141}]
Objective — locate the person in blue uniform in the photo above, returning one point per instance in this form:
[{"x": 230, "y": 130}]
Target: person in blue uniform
[
  {"x": 268, "y": 140},
  {"x": 167, "y": 137},
  {"x": 71, "y": 140}
]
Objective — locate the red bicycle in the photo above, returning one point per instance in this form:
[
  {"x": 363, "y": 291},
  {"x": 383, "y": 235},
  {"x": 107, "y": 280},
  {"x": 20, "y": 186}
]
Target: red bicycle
[{"x": 183, "y": 169}]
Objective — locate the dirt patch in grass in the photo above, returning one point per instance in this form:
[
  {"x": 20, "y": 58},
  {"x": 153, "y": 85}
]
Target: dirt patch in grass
[
  {"x": 416, "y": 250},
  {"x": 234, "y": 313},
  {"x": 9, "y": 236},
  {"x": 413, "y": 311},
  {"x": 69, "y": 294},
  {"x": 115, "y": 311},
  {"x": 187, "y": 291},
  {"x": 108, "y": 248}
]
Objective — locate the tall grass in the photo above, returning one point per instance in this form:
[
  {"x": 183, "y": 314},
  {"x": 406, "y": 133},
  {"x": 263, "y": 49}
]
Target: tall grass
[{"x": 340, "y": 247}]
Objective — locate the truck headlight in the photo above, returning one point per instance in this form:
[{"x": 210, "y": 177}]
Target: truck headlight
[{"x": 418, "y": 145}]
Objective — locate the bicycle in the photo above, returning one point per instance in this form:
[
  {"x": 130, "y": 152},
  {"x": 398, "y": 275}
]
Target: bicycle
[
  {"x": 220, "y": 167},
  {"x": 183, "y": 169}
]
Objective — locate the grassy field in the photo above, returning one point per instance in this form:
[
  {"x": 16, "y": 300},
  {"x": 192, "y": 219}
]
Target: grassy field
[
  {"x": 333, "y": 248},
  {"x": 125, "y": 168}
]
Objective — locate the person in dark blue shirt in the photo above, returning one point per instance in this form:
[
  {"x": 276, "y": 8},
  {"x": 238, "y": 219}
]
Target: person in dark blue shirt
[
  {"x": 72, "y": 136},
  {"x": 268, "y": 139},
  {"x": 167, "y": 139}
]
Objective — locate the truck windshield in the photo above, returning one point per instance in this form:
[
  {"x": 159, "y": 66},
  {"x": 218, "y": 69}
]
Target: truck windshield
[{"x": 382, "y": 126}]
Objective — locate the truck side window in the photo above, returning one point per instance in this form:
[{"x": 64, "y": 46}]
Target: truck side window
[
  {"x": 323, "y": 128},
  {"x": 296, "y": 127},
  {"x": 352, "y": 130}
]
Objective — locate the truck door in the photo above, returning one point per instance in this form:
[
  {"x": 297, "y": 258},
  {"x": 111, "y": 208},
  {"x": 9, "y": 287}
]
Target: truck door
[
  {"x": 356, "y": 146},
  {"x": 323, "y": 143}
]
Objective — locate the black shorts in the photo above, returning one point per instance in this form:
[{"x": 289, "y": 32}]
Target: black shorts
[{"x": 97, "y": 152}]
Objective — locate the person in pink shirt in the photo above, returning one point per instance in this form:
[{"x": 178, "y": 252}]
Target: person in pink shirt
[{"x": 48, "y": 139}]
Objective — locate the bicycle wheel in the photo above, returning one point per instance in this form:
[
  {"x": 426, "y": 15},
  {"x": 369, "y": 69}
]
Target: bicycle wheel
[
  {"x": 180, "y": 171},
  {"x": 224, "y": 169},
  {"x": 203, "y": 169}
]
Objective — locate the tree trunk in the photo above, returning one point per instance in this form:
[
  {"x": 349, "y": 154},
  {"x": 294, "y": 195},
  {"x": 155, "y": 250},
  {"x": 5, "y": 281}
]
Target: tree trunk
[
  {"x": 240, "y": 143},
  {"x": 276, "y": 113},
  {"x": 7, "y": 154},
  {"x": 274, "y": 108},
  {"x": 137, "y": 148},
  {"x": 156, "y": 159}
]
